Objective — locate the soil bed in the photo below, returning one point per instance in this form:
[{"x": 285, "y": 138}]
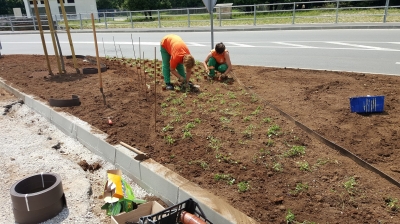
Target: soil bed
[{"x": 228, "y": 140}]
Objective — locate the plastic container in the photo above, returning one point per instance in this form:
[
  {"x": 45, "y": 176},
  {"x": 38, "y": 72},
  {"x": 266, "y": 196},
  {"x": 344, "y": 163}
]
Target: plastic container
[
  {"x": 367, "y": 104},
  {"x": 172, "y": 215}
]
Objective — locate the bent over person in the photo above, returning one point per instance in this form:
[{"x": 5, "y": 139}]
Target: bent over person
[
  {"x": 176, "y": 58},
  {"x": 218, "y": 59}
]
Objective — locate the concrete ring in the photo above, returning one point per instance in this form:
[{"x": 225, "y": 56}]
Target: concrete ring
[{"x": 37, "y": 198}]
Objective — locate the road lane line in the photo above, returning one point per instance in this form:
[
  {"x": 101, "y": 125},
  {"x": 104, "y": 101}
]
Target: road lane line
[
  {"x": 239, "y": 45},
  {"x": 357, "y": 45},
  {"x": 294, "y": 45}
]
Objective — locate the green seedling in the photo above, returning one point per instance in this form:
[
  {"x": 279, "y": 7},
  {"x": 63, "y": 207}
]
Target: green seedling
[
  {"x": 214, "y": 143},
  {"x": 300, "y": 187},
  {"x": 167, "y": 128},
  {"x": 224, "y": 120},
  {"x": 197, "y": 120},
  {"x": 304, "y": 166},
  {"x": 349, "y": 185},
  {"x": 235, "y": 104},
  {"x": 201, "y": 163},
  {"x": 392, "y": 203},
  {"x": 295, "y": 151},
  {"x": 227, "y": 177},
  {"x": 231, "y": 95},
  {"x": 243, "y": 186},
  {"x": 189, "y": 126},
  {"x": 188, "y": 112},
  {"x": 277, "y": 167},
  {"x": 273, "y": 130},
  {"x": 257, "y": 111},
  {"x": 254, "y": 98},
  {"x": 164, "y": 105},
  {"x": 267, "y": 120},
  {"x": 290, "y": 217},
  {"x": 247, "y": 118},
  {"x": 169, "y": 140},
  {"x": 186, "y": 134},
  {"x": 270, "y": 143}
]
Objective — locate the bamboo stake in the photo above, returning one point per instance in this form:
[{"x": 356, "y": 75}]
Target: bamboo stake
[
  {"x": 155, "y": 91},
  {"x": 71, "y": 45},
  {"x": 104, "y": 49},
  {"x": 98, "y": 59},
  {"x": 115, "y": 47},
  {"x": 144, "y": 75},
  {"x": 42, "y": 36},
  {"x": 122, "y": 55},
  {"x": 50, "y": 21}
]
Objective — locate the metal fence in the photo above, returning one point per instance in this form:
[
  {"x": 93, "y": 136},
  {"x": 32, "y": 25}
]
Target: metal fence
[{"x": 322, "y": 12}]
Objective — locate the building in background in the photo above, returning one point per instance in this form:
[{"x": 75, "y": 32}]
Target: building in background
[{"x": 71, "y": 7}]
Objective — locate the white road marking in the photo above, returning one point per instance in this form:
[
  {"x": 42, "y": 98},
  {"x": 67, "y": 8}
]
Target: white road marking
[
  {"x": 195, "y": 44},
  {"x": 294, "y": 45},
  {"x": 239, "y": 45},
  {"x": 357, "y": 45},
  {"x": 397, "y": 63}
]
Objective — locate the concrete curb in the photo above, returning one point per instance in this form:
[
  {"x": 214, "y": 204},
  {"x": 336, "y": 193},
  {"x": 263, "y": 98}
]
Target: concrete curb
[
  {"x": 394, "y": 25},
  {"x": 150, "y": 175}
]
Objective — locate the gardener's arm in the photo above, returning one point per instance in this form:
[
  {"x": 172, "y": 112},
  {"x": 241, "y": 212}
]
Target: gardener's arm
[
  {"x": 206, "y": 61},
  {"x": 176, "y": 74},
  {"x": 228, "y": 63}
]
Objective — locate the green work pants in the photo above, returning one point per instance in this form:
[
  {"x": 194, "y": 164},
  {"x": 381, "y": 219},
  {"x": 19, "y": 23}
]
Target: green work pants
[
  {"x": 219, "y": 67},
  {"x": 166, "y": 67}
]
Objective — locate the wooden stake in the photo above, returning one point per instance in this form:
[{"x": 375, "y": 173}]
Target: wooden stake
[
  {"x": 42, "y": 36},
  {"x": 155, "y": 91},
  {"x": 51, "y": 24},
  {"x": 71, "y": 44},
  {"x": 98, "y": 60}
]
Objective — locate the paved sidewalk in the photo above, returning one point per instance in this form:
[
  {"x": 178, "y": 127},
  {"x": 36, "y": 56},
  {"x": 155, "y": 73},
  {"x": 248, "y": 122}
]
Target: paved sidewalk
[{"x": 231, "y": 28}]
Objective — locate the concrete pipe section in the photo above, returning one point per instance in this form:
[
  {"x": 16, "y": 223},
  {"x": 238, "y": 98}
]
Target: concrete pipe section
[{"x": 37, "y": 198}]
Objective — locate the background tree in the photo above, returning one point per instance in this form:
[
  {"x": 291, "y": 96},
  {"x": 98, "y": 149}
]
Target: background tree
[{"x": 6, "y": 6}]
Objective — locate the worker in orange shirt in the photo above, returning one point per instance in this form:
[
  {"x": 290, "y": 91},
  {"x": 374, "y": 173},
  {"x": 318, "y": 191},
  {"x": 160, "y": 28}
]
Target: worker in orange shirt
[
  {"x": 218, "y": 59},
  {"x": 176, "y": 58}
]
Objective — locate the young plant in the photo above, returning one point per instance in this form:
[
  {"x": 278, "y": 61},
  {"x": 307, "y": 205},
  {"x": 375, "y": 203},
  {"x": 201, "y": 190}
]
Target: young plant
[
  {"x": 227, "y": 177},
  {"x": 214, "y": 143},
  {"x": 304, "y": 166},
  {"x": 231, "y": 95},
  {"x": 186, "y": 134},
  {"x": 224, "y": 120},
  {"x": 164, "y": 105},
  {"x": 189, "y": 126},
  {"x": 243, "y": 186},
  {"x": 201, "y": 163},
  {"x": 169, "y": 140},
  {"x": 392, "y": 203},
  {"x": 257, "y": 111},
  {"x": 168, "y": 128},
  {"x": 300, "y": 187},
  {"x": 277, "y": 167},
  {"x": 270, "y": 143},
  {"x": 197, "y": 120},
  {"x": 349, "y": 185},
  {"x": 267, "y": 120},
  {"x": 188, "y": 112},
  {"x": 247, "y": 118},
  {"x": 254, "y": 98},
  {"x": 295, "y": 151},
  {"x": 290, "y": 217},
  {"x": 273, "y": 130}
]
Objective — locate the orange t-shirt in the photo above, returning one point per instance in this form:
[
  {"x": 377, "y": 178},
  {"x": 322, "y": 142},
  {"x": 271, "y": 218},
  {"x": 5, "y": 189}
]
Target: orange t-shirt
[
  {"x": 175, "y": 47},
  {"x": 220, "y": 58}
]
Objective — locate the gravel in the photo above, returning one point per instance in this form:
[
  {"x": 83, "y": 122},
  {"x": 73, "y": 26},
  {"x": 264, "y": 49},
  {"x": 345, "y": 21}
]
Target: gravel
[{"x": 29, "y": 147}]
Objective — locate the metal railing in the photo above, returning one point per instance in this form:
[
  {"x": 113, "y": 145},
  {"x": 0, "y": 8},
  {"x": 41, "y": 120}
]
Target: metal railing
[{"x": 322, "y": 12}]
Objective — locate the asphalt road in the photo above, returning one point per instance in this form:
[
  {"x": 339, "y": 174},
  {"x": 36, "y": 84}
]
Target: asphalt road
[{"x": 358, "y": 50}]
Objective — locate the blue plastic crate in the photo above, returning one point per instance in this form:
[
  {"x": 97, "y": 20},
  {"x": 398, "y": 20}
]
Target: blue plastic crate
[{"x": 367, "y": 104}]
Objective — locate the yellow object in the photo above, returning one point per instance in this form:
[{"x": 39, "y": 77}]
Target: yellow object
[{"x": 113, "y": 188}]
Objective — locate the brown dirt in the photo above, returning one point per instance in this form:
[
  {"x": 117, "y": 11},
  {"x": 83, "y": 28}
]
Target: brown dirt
[{"x": 229, "y": 127}]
